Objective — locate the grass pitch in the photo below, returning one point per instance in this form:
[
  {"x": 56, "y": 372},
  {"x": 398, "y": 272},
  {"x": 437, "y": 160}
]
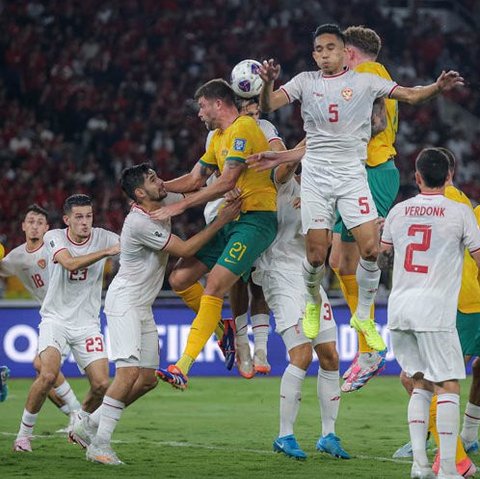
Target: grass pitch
[{"x": 218, "y": 428}]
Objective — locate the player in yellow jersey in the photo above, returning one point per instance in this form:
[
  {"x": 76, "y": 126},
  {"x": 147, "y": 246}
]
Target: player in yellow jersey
[
  {"x": 233, "y": 250},
  {"x": 363, "y": 46},
  {"x": 468, "y": 327}
]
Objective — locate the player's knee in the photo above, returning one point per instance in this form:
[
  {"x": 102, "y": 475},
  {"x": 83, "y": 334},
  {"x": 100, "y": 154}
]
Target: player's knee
[
  {"x": 99, "y": 387},
  {"x": 369, "y": 250},
  {"x": 47, "y": 378},
  {"x": 149, "y": 383},
  {"x": 179, "y": 281},
  {"x": 301, "y": 356},
  {"x": 329, "y": 359}
]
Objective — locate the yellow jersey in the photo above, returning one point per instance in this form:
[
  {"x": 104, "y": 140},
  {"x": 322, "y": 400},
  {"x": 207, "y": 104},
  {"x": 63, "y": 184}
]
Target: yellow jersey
[
  {"x": 241, "y": 139},
  {"x": 380, "y": 147},
  {"x": 469, "y": 297}
]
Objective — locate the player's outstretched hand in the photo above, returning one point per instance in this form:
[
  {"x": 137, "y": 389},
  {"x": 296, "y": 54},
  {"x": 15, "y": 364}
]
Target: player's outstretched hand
[
  {"x": 167, "y": 212},
  {"x": 264, "y": 160},
  {"x": 269, "y": 71},
  {"x": 448, "y": 80},
  {"x": 230, "y": 211}
]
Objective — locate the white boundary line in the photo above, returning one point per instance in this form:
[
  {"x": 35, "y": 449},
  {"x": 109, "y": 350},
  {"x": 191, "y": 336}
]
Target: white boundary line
[{"x": 216, "y": 448}]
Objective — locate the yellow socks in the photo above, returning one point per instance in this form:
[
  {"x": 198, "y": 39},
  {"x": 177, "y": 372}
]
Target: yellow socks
[
  {"x": 191, "y": 296},
  {"x": 204, "y": 324},
  {"x": 432, "y": 427},
  {"x": 349, "y": 287}
]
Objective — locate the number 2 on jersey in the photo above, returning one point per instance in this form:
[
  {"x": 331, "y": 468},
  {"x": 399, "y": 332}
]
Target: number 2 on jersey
[{"x": 426, "y": 237}]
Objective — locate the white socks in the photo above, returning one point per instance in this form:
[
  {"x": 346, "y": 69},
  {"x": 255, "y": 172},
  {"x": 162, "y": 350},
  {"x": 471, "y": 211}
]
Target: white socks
[
  {"x": 111, "y": 411},
  {"x": 66, "y": 394},
  {"x": 418, "y": 417},
  {"x": 328, "y": 393},
  {"x": 312, "y": 276},
  {"x": 290, "y": 396},
  {"x": 448, "y": 425},
  {"x": 26, "y": 424},
  {"x": 368, "y": 277},
  {"x": 241, "y": 326},
  {"x": 471, "y": 421},
  {"x": 260, "y": 327}
]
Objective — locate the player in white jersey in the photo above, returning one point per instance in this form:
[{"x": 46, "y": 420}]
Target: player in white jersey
[
  {"x": 145, "y": 248},
  {"x": 28, "y": 262},
  {"x": 70, "y": 310},
  {"x": 336, "y": 106},
  {"x": 429, "y": 234},
  {"x": 279, "y": 273}
]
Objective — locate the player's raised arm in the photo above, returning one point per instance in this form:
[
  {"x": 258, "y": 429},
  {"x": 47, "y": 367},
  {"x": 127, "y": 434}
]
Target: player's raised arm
[
  {"x": 192, "y": 181},
  {"x": 267, "y": 160},
  {"x": 72, "y": 263},
  {"x": 445, "y": 82},
  {"x": 271, "y": 100}
]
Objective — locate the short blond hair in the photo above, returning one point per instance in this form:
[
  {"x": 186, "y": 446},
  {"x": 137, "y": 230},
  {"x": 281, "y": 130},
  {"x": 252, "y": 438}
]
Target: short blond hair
[{"x": 365, "y": 39}]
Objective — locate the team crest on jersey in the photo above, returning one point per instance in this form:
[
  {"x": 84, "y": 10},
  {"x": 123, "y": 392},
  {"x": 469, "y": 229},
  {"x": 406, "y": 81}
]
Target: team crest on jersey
[
  {"x": 42, "y": 263},
  {"x": 239, "y": 144},
  {"x": 224, "y": 152},
  {"x": 347, "y": 93}
]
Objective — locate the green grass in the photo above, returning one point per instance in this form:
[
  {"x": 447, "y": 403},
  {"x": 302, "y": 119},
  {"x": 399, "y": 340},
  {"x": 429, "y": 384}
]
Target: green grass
[{"x": 220, "y": 427}]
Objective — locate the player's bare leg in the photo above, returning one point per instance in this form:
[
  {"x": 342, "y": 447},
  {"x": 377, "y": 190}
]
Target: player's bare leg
[
  {"x": 317, "y": 244},
  {"x": 50, "y": 366},
  {"x": 97, "y": 374}
]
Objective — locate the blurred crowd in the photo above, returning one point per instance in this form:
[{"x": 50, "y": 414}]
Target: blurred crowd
[{"x": 89, "y": 87}]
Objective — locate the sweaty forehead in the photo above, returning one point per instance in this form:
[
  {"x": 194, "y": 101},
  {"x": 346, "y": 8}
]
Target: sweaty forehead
[{"x": 31, "y": 215}]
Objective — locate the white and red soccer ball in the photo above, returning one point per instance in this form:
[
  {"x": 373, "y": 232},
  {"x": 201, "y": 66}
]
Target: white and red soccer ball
[{"x": 245, "y": 79}]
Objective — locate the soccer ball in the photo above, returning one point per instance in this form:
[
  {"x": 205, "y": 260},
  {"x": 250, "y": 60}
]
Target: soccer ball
[{"x": 245, "y": 80}]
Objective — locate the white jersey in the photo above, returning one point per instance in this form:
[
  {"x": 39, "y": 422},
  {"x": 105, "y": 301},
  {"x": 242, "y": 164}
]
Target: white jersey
[
  {"x": 142, "y": 260},
  {"x": 287, "y": 251},
  {"x": 30, "y": 267},
  {"x": 74, "y": 297},
  {"x": 211, "y": 208},
  {"x": 429, "y": 234},
  {"x": 336, "y": 111}
]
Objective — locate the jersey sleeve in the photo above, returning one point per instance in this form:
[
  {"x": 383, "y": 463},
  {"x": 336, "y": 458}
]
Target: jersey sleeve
[
  {"x": 55, "y": 241},
  {"x": 208, "y": 158},
  {"x": 293, "y": 88},
  {"x": 380, "y": 87},
  {"x": 112, "y": 239},
  {"x": 8, "y": 266},
  {"x": 471, "y": 231},
  {"x": 269, "y": 130},
  {"x": 153, "y": 234}
]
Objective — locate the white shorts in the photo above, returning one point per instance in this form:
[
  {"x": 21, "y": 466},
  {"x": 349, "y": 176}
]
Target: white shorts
[
  {"x": 294, "y": 336},
  {"x": 134, "y": 338},
  {"x": 87, "y": 344},
  {"x": 436, "y": 354},
  {"x": 285, "y": 295},
  {"x": 323, "y": 194}
]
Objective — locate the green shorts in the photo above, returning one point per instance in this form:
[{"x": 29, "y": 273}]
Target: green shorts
[
  {"x": 384, "y": 183},
  {"x": 239, "y": 243},
  {"x": 468, "y": 327}
]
